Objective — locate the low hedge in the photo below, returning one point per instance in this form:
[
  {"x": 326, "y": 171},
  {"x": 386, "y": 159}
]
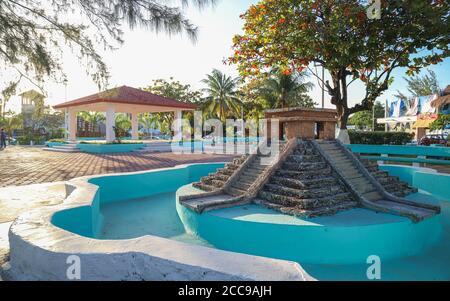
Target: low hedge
[
  {"x": 380, "y": 138},
  {"x": 58, "y": 140}
]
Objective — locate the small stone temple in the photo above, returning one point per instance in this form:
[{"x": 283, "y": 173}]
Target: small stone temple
[{"x": 304, "y": 123}]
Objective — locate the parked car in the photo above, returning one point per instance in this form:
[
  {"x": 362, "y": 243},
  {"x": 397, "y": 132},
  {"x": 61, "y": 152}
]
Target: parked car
[{"x": 433, "y": 139}]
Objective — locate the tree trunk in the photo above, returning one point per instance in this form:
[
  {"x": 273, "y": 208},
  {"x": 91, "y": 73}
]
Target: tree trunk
[{"x": 343, "y": 120}]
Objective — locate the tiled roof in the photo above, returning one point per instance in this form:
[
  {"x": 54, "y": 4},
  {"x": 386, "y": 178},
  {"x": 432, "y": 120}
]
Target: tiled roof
[{"x": 127, "y": 95}]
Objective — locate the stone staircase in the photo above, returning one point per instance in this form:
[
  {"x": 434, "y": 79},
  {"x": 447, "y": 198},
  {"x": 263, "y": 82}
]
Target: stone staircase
[
  {"x": 305, "y": 186},
  {"x": 233, "y": 185},
  {"x": 370, "y": 192},
  {"x": 309, "y": 179},
  {"x": 248, "y": 176},
  {"x": 392, "y": 184},
  {"x": 70, "y": 147},
  {"x": 215, "y": 181}
]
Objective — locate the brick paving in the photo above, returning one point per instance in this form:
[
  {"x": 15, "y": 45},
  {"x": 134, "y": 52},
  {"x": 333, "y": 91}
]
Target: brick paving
[{"x": 21, "y": 165}]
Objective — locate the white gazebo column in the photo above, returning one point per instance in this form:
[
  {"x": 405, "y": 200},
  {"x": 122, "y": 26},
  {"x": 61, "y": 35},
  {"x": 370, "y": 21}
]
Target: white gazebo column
[
  {"x": 72, "y": 124},
  {"x": 134, "y": 126},
  {"x": 178, "y": 124},
  {"x": 110, "y": 123}
]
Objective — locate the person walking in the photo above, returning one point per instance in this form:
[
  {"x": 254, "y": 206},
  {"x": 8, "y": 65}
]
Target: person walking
[{"x": 2, "y": 139}]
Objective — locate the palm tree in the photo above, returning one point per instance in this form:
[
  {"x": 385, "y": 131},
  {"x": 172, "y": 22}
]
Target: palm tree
[
  {"x": 92, "y": 118},
  {"x": 148, "y": 121},
  {"x": 123, "y": 122},
  {"x": 282, "y": 90},
  {"x": 223, "y": 99},
  {"x": 10, "y": 123}
]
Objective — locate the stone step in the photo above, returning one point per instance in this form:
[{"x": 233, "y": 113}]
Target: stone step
[
  {"x": 248, "y": 177},
  {"x": 246, "y": 180},
  {"x": 214, "y": 202},
  {"x": 345, "y": 164},
  {"x": 364, "y": 188},
  {"x": 330, "y": 147},
  {"x": 257, "y": 167},
  {"x": 252, "y": 172},
  {"x": 304, "y": 175},
  {"x": 225, "y": 171},
  {"x": 204, "y": 187},
  {"x": 301, "y": 158},
  {"x": 321, "y": 211},
  {"x": 372, "y": 196},
  {"x": 406, "y": 209},
  {"x": 360, "y": 181},
  {"x": 372, "y": 169},
  {"x": 304, "y": 166},
  {"x": 236, "y": 191},
  {"x": 303, "y": 193},
  {"x": 232, "y": 166},
  {"x": 369, "y": 163},
  {"x": 380, "y": 174},
  {"x": 215, "y": 183},
  {"x": 242, "y": 185},
  {"x": 304, "y": 203},
  {"x": 303, "y": 152},
  {"x": 320, "y": 182},
  {"x": 387, "y": 180},
  {"x": 216, "y": 176},
  {"x": 351, "y": 174}
]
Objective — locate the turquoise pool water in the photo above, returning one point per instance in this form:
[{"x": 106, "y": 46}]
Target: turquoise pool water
[
  {"x": 155, "y": 215},
  {"x": 328, "y": 248}
]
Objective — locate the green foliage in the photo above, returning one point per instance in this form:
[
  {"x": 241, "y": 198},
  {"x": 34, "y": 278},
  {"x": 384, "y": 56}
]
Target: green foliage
[
  {"x": 28, "y": 137},
  {"x": 281, "y": 91},
  {"x": 222, "y": 100},
  {"x": 11, "y": 122},
  {"x": 57, "y": 140},
  {"x": 440, "y": 123},
  {"x": 123, "y": 122},
  {"x": 34, "y": 33},
  {"x": 171, "y": 89},
  {"x": 379, "y": 138},
  {"x": 92, "y": 122},
  {"x": 427, "y": 84},
  {"x": 364, "y": 119},
  {"x": 291, "y": 35},
  {"x": 7, "y": 93},
  {"x": 175, "y": 90},
  {"x": 123, "y": 125}
]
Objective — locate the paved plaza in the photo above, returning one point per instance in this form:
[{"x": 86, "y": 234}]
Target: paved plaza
[{"x": 21, "y": 165}]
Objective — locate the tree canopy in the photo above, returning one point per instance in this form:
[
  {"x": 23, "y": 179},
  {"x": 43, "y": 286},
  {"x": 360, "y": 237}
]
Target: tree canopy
[
  {"x": 281, "y": 91},
  {"x": 222, "y": 98},
  {"x": 364, "y": 119},
  {"x": 175, "y": 90},
  {"x": 34, "y": 34},
  {"x": 292, "y": 35},
  {"x": 427, "y": 84},
  {"x": 172, "y": 89}
]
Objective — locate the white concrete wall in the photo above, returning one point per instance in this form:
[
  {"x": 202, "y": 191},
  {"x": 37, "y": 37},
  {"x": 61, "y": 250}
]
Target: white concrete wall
[{"x": 39, "y": 251}]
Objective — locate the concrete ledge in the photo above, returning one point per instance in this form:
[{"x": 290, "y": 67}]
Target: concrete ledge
[
  {"x": 109, "y": 148},
  {"x": 39, "y": 251}
]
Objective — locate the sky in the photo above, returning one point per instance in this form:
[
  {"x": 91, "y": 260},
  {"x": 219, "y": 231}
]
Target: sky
[{"x": 146, "y": 56}]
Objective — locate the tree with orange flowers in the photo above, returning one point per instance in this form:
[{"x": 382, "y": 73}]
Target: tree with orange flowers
[{"x": 342, "y": 36}]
